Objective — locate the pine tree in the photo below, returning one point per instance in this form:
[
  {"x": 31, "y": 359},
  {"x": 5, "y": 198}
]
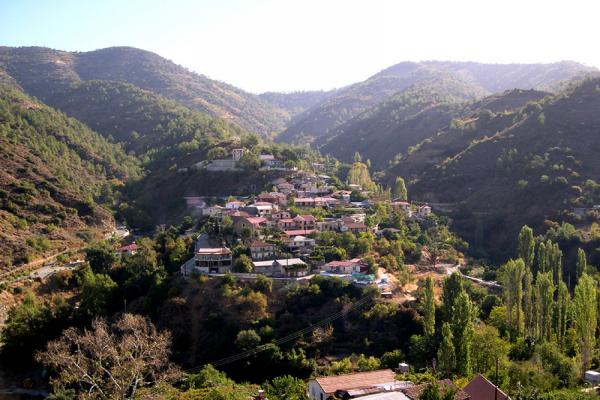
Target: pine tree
[
  {"x": 446, "y": 352},
  {"x": 562, "y": 311},
  {"x": 526, "y": 246},
  {"x": 585, "y": 318},
  {"x": 429, "y": 307},
  {"x": 400, "y": 191}
]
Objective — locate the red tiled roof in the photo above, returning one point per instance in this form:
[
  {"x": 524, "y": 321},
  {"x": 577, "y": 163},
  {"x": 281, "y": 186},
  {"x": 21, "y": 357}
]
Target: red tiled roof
[
  {"x": 330, "y": 384},
  {"x": 256, "y": 220},
  {"x": 298, "y": 232},
  {"x": 414, "y": 392},
  {"x": 260, "y": 243},
  {"x": 481, "y": 389},
  {"x": 129, "y": 247}
]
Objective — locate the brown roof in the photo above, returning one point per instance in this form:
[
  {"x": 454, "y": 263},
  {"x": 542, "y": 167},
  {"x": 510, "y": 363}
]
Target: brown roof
[
  {"x": 330, "y": 384},
  {"x": 260, "y": 243},
  {"x": 481, "y": 389},
  {"x": 414, "y": 392}
]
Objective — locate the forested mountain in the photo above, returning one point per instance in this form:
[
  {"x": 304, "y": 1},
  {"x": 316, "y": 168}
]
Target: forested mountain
[
  {"x": 500, "y": 168},
  {"x": 42, "y": 72},
  {"x": 53, "y": 173},
  {"x": 401, "y": 121},
  {"x": 296, "y": 102},
  {"x": 319, "y": 123}
]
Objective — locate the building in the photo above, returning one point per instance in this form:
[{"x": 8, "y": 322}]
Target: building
[
  {"x": 353, "y": 227},
  {"x": 328, "y": 224},
  {"x": 128, "y": 250},
  {"x": 237, "y": 154},
  {"x": 306, "y": 222},
  {"x": 481, "y": 389},
  {"x": 300, "y": 244},
  {"x": 213, "y": 211},
  {"x": 252, "y": 224},
  {"x": 345, "y": 267},
  {"x": 424, "y": 211},
  {"x": 298, "y": 232},
  {"x": 278, "y": 215},
  {"x": 234, "y": 205},
  {"x": 322, "y": 387},
  {"x": 213, "y": 260},
  {"x": 260, "y": 250},
  {"x": 290, "y": 267}
]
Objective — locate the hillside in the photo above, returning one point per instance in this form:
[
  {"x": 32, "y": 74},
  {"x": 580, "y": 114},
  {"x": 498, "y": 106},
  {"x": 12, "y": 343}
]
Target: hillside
[
  {"x": 42, "y": 72},
  {"x": 319, "y": 123},
  {"x": 296, "y": 102},
  {"x": 401, "y": 121},
  {"x": 524, "y": 167},
  {"x": 54, "y": 172}
]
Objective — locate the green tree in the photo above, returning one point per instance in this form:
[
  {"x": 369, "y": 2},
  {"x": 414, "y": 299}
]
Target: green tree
[
  {"x": 433, "y": 392},
  {"x": 428, "y": 307},
  {"x": 247, "y": 339},
  {"x": 98, "y": 294},
  {"x": 487, "y": 347},
  {"x": 286, "y": 388},
  {"x": 562, "y": 310},
  {"x": 400, "y": 191},
  {"x": 542, "y": 258},
  {"x": 544, "y": 294},
  {"x": 101, "y": 257},
  {"x": 581, "y": 263},
  {"x": 528, "y": 305},
  {"x": 585, "y": 318},
  {"x": 526, "y": 246},
  {"x": 243, "y": 264},
  {"x": 446, "y": 352},
  {"x": 453, "y": 286},
  {"x": 462, "y": 330},
  {"x": 512, "y": 287}
]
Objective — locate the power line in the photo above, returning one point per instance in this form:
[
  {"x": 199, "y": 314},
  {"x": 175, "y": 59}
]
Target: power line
[{"x": 285, "y": 339}]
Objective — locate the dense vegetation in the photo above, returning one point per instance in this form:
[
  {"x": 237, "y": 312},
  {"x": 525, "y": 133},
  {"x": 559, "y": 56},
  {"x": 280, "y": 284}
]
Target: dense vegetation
[{"x": 54, "y": 173}]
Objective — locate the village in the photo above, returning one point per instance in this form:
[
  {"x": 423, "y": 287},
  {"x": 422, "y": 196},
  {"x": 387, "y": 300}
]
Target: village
[{"x": 279, "y": 229}]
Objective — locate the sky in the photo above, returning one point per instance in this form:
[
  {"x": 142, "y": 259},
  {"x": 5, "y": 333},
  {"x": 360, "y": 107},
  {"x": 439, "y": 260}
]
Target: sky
[{"x": 288, "y": 45}]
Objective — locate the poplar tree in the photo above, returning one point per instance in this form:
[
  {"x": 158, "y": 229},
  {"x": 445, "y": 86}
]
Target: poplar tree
[
  {"x": 526, "y": 246},
  {"x": 562, "y": 310},
  {"x": 446, "y": 353},
  {"x": 554, "y": 263},
  {"x": 428, "y": 307},
  {"x": 544, "y": 288},
  {"x": 585, "y": 318},
  {"x": 453, "y": 286},
  {"x": 581, "y": 263},
  {"x": 541, "y": 258},
  {"x": 462, "y": 329},
  {"x": 512, "y": 287},
  {"x": 400, "y": 191},
  {"x": 528, "y": 307}
]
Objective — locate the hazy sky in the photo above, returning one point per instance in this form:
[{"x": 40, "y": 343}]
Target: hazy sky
[{"x": 286, "y": 45}]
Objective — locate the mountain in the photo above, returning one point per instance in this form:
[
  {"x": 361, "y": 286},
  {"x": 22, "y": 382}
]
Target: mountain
[
  {"x": 318, "y": 124},
  {"x": 512, "y": 165},
  {"x": 296, "y": 102},
  {"x": 403, "y": 120},
  {"x": 54, "y": 173},
  {"x": 42, "y": 71}
]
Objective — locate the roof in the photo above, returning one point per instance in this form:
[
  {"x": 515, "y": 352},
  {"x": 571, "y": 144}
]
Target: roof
[
  {"x": 260, "y": 243},
  {"x": 481, "y": 389},
  {"x": 385, "y": 396},
  {"x": 266, "y": 157},
  {"x": 213, "y": 251},
  {"x": 284, "y": 262},
  {"x": 330, "y": 384},
  {"x": 255, "y": 220},
  {"x": 345, "y": 263},
  {"x": 306, "y": 217},
  {"x": 355, "y": 225},
  {"x": 129, "y": 247},
  {"x": 298, "y": 232},
  {"x": 414, "y": 392}
]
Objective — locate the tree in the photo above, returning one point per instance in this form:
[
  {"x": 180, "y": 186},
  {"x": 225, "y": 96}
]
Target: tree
[
  {"x": 512, "y": 288},
  {"x": 487, "y": 347},
  {"x": 528, "y": 306},
  {"x": 286, "y": 388},
  {"x": 428, "y": 307},
  {"x": 452, "y": 288},
  {"x": 400, "y": 191},
  {"x": 544, "y": 295},
  {"x": 357, "y": 157},
  {"x": 526, "y": 246},
  {"x": 249, "y": 161},
  {"x": 542, "y": 258},
  {"x": 562, "y": 309},
  {"x": 432, "y": 392},
  {"x": 585, "y": 318},
  {"x": 462, "y": 329},
  {"x": 101, "y": 257},
  {"x": 581, "y": 263},
  {"x": 110, "y": 362},
  {"x": 98, "y": 294},
  {"x": 247, "y": 339},
  {"x": 243, "y": 264},
  {"x": 446, "y": 352}
]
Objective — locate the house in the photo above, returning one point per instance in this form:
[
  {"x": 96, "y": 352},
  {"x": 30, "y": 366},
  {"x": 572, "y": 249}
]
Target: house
[
  {"x": 305, "y": 222},
  {"x": 260, "y": 209},
  {"x": 273, "y": 198},
  {"x": 285, "y": 188},
  {"x": 213, "y": 260},
  {"x": 298, "y": 232},
  {"x": 328, "y": 224},
  {"x": 345, "y": 267},
  {"x": 253, "y": 224},
  {"x": 128, "y": 250},
  {"x": 311, "y": 202},
  {"x": 234, "y": 205},
  {"x": 481, "y": 389},
  {"x": 300, "y": 244},
  {"x": 286, "y": 224},
  {"x": 260, "y": 250},
  {"x": 414, "y": 392},
  {"x": 424, "y": 211},
  {"x": 269, "y": 161},
  {"x": 278, "y": 215},
  {"x": 289, "y": 267},
  {"x": 213, "y": 211},
  {"x": 353, "y": 227},
  {"x": 322, "y": 387}
]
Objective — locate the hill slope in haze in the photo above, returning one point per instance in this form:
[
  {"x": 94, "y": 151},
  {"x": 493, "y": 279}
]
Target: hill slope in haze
[
  {"x": 401, "y": 121},
  {"x": 53, "y": 173},
  {"x": 42, "y": 71},
  {"x": 319, "y": 123},
  {"x": 523, "y": 167}
]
